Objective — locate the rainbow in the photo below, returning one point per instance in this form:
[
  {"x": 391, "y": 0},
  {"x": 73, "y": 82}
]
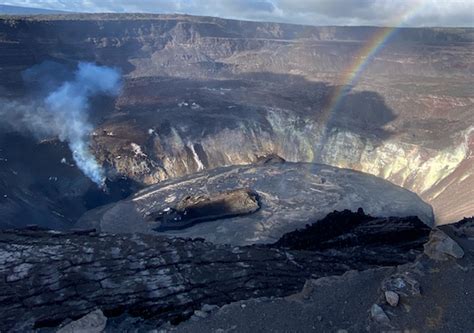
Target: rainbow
[
  {"x": 350, "y": 76},
  {"x": 380, "y": 38}
]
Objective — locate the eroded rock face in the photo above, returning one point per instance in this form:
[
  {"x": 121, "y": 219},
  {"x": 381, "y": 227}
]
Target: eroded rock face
[
  {"x": 347, "y": 230},
  {"x": 432, "y": 295},
  {"x": 290, "y": 196},
  {"x": 49, "y": 277}
]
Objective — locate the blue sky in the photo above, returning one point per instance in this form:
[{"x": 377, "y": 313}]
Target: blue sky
[{"x": 315, "y": 12}]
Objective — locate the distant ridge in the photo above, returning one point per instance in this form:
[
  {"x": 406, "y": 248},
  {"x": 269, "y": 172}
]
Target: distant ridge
[{"x": 16, "y": 10}]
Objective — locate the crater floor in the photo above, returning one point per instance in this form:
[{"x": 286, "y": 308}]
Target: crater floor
[{"x": 290, "y": 196}]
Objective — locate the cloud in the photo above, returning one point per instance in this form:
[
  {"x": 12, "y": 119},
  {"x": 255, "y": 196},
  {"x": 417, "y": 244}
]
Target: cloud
[{"x": 314, "y": 12}]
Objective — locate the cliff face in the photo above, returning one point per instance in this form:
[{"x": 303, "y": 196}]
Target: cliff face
[{"x": 203, "y": 92}]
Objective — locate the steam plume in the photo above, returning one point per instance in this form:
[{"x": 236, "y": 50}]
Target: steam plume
[
  {"x": 64, "y": 113},
  {"x": 69, "y": 104}
]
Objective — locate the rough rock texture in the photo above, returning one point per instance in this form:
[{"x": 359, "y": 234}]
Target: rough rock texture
[
  {"x": 48, "y": 277},
  {"x": 290, "y": 196},
  {"x": 392, "y": 298},
  {"x": 93, "y": 322},
  {"x": 352, "y": 229},
  {"x": 441, "y": 246},
  {"x": 435, "y": 296},
  {"x": 379, "y": 315},
  {"x": 201, "y": 93},
  {"x": 464, "y": 228},
  {"x": 204, "y": 208}
]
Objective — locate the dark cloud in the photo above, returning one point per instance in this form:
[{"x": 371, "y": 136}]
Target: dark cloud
[{"x": 314, "y": 12}]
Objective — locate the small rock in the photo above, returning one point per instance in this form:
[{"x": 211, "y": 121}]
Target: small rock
[
  {"x": 463, "y": 268},
  {"x": 209, "y": 308},
  {"x": 243, "y": 306},
  {"x": 442, "y": 247},
  {"x": 320, "y": 318},
  {"x": 392, "y": 297},
  {"x": 304, "y": 294},
  {"x": 200, "y": 314},
  {"x": 379, "y": 315},
  {"x": 403, "y": 284},
  {"x": 94, "y": 322}
]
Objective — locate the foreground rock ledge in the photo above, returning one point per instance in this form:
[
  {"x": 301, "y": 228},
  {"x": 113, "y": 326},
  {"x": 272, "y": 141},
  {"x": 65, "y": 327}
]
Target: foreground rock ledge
[
  {"x": 433, "y": 296},
  {"x": 48, "y": 277}
]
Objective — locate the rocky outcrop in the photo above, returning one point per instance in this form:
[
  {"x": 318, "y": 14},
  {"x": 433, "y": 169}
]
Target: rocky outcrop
[
  {"x": 49, "y": 277},
  {"x": 432, "y": 295},
  {"x": 272, "y": 158},
  {"x": 289, "y": 194},
  {"x": 204, "y": 208},
  {"x": 464, "y": 228},
  {"x": 442, "y": 247},
  {"x": 347, "y": 230}
]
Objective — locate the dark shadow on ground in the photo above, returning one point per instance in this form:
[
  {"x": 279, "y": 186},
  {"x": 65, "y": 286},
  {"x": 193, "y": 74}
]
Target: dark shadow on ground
[{"x": 225, "y": 103}]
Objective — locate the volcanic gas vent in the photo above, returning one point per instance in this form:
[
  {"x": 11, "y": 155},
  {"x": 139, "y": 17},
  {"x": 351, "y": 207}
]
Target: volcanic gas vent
[
  {"x": 58, "y": 105},
  {"x": 194, "y": 209}
]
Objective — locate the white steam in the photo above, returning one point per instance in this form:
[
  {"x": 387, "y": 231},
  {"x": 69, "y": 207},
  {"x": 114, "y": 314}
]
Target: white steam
[
  {"x": 64, "y": 113},
  {"x": 69, "y": 105}
]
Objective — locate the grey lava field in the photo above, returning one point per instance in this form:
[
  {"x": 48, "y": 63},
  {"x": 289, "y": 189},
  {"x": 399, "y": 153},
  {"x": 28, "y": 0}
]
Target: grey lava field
[{"x": 178, "y": 173}]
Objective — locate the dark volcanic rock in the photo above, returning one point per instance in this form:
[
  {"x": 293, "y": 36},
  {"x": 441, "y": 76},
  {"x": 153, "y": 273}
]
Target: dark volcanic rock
[
  {"x": 464, "y": 228},
  {"x": 434, "y": 296},
  {"x": 272, "y": 158},
  {"x": 442, "y": 247},
  {"x": 47, "y": 277},
  {"x": 291, "y": 195},
  {"x": 360, "y": 236},
  {"x": 203, "y": 208}
]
